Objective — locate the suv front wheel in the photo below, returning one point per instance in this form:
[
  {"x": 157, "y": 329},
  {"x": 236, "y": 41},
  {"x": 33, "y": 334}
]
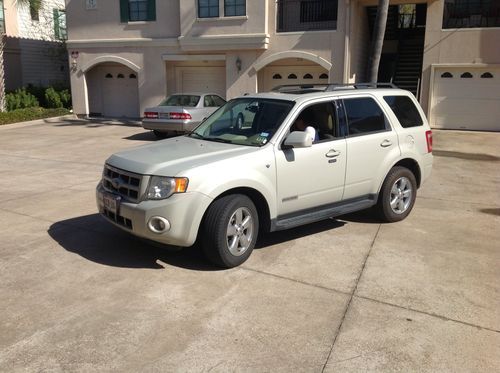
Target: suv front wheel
[
  {"x": 230, "y": 230},
  {"x": 397, "y": 195}
]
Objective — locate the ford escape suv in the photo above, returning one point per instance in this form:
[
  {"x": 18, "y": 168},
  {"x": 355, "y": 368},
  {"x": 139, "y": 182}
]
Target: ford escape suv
[{"x": 244, "y": 170}]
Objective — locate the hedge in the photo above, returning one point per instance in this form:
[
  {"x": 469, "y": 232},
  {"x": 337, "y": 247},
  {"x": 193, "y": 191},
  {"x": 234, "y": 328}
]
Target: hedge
[{"x": 23, "y": 115}]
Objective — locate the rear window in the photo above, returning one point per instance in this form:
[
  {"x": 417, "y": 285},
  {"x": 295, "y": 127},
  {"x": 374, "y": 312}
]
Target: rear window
[
  {"x": 181, "y": 100},
  {"x": 405, "y": 110},
  {"x": 364, "y": 116}
]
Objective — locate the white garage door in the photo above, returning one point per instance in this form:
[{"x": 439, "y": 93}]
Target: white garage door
[
  {"x": 466, "y": 98},
  {"x": 281, "y": 75},
  {"x": 202, "y": 79},
  {"x": 113, "y": 92}
]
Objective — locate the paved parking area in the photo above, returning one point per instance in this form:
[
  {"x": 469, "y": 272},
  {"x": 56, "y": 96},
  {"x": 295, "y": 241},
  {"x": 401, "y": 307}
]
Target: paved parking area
[{"x": 348, "y": 294}]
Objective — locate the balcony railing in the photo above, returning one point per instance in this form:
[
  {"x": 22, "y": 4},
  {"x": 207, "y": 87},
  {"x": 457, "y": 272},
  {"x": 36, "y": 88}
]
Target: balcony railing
[
  {"x": 306, "y": 15},
  {"x": 471, "y": 13}
]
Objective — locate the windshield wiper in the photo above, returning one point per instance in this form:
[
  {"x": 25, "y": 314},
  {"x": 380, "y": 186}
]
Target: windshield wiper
[
  {"x": 195, "y": 134},
  {"x": 218, "y": 139}
]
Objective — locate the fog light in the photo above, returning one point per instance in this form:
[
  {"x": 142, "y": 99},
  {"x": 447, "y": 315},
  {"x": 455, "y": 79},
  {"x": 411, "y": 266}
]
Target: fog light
[{"x": 157, "y": 224}]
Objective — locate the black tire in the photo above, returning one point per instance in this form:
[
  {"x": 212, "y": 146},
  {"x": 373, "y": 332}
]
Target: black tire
[
  {"x": 215, "y": 239},
  {"x": 159, "y": 134},
  {"x": 393, "y": 191}
]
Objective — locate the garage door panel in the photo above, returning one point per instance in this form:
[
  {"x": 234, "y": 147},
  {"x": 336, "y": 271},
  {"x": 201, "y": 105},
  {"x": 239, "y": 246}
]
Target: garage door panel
[
  {"x": 202, "y": 79},
  {"x": 466, "y": 103}
]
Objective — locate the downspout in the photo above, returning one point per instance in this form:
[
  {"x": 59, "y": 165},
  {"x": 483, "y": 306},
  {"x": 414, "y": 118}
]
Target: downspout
[{"x": 347, "y": 34}]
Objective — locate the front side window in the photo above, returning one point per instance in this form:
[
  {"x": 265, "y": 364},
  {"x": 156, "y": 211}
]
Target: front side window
[
  {"x": 364, "y": 116},
  {"x": 320, "y": 117},
  {"x": 208, "y": 8},
  {"x": 471, "y": 13},
  {"x": 244, "y": 121},
  {"x": 234, "y": 8},
  {"x": 405, "y": 110}
]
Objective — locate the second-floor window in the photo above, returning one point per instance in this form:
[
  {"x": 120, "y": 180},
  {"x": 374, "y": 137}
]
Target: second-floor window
[
  {"x": 208, "y": 8},
  {"x": 137, "y": 10},
  {"x": 212, "y": 8},
  {"x": 60, "y": 24},
  {"x": 2, "y": 18},
  {"x": 234, "y": 8},
  {"x": 471, "y": 13},
  {"x": 306, "y": 15}
]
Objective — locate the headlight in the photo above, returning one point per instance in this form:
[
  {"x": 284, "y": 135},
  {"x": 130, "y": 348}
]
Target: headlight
[{"x": 161, "y": 187}]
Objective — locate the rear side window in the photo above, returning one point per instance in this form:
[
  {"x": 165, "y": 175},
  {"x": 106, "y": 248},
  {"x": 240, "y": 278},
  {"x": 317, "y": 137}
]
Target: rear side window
[
  {"x": 405, "y": 110},
  {"x": 364, "y": 116}
]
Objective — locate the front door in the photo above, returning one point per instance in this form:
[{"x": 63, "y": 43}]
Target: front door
[{"x": 313, "y": 176}]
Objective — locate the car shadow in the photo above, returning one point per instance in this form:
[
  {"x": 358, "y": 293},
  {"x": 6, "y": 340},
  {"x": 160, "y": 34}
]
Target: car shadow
[
  {"x": 148, "y": 136},
  {"x": 98, "y": 241}
]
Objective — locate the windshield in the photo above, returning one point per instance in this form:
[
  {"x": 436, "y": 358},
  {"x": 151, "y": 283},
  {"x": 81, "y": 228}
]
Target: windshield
[
  {"x": 244, "y": 121},
  {"x": 181, "y": 100}
]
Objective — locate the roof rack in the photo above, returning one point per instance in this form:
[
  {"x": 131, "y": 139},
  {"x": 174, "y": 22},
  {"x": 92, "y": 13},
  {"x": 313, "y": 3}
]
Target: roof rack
[{"x": 307, "y": 88}]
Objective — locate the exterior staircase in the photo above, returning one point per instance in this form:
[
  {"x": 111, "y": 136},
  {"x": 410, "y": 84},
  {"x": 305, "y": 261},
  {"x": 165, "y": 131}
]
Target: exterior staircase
[{"x": 409, "y": 64}]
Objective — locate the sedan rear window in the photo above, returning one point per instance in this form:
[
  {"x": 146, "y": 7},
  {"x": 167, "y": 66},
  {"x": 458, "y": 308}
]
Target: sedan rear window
[
  {"x": 405, "y": 110},
  {"x": 181, "y": 100}
]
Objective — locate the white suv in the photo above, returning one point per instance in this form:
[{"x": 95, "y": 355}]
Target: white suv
[{"x": 245, "y": 170}]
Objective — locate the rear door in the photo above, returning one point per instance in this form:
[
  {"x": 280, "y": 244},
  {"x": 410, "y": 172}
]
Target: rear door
[{"x": 372, "y": 146}]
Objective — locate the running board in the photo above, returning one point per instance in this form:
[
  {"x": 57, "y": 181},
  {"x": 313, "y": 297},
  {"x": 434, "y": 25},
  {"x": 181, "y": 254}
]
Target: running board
[{"x": 322, "y": 212}]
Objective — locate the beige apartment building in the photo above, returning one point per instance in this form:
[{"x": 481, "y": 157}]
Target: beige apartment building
[{"x": 126, "y": 55}]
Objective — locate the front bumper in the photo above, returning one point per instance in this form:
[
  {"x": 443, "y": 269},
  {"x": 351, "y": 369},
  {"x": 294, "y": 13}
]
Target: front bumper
[
  {"x": 169, "y": 125},
  {"x": 183, "y": 211}
]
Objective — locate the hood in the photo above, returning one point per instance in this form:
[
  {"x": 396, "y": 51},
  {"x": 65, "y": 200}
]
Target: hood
[{"x": 172, "y": 156}]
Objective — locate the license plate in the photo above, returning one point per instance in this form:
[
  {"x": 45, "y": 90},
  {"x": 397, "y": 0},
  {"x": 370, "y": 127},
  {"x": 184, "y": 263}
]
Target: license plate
[{"x": 111, "y": 202}]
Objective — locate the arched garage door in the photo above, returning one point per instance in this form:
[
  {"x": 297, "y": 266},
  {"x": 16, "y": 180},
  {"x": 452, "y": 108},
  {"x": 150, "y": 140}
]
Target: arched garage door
[
  {"x": 113, "y": 91},
  {"x": 273, "y": 76},
  {"x": 466, "y": 98}
]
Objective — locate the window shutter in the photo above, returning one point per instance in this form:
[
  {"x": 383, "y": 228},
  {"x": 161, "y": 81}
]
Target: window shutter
[
  {"x": 151, "y": 10},
  {"x": 124, "y": 11},
  {"x": 57, "y": 31}
]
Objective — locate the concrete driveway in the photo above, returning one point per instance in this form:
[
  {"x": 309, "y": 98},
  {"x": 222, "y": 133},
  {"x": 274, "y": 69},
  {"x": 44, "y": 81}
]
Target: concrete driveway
[{"x": 348, "y": 294}]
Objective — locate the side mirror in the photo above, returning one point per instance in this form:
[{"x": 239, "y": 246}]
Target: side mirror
[{"x": 298, "y": 139}]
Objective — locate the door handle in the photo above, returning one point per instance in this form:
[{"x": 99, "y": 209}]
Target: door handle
[
  {"x": 332, "y": 153},
  {"x": 386, "y": 143}
]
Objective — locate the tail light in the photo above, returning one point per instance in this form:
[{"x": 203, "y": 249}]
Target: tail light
[
  {"x": 182, "y": 116},
  {"x": 428, "y": 137},
  {"x": 150, "y": 115}
]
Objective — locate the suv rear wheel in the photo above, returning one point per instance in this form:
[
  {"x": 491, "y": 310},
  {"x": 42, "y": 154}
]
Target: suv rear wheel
[
  {"x": 230, "y": 230},
  {"x": 397, "y": 195}
]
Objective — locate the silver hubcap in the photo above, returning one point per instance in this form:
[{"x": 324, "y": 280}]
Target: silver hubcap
[
  {"x": 239, "y": 231},
  {"x": 401, "y": 195}
]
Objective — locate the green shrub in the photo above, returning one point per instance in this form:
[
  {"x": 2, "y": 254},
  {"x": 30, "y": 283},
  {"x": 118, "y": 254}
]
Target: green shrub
[
  {"x": 52, "y": 98},
  {"x": 20, "y": 99},
  {"x": 22, "y": 115},
  {"x": 38, "y": 92},
  {"x": 65, "y": 98}
]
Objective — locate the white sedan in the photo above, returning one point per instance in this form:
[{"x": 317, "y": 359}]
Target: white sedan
[{"x": 180, "y": 113}]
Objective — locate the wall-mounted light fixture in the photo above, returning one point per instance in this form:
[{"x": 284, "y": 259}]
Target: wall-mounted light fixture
[
  {"x": 74, "y": 64},
  {"x": 238, "y": 64}
]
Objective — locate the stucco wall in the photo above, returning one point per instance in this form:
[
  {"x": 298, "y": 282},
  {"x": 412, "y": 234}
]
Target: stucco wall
[{"x": 43, "y": 29}]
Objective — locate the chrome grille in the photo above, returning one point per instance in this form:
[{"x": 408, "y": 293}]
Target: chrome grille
[{"x": 126, "y": 184}]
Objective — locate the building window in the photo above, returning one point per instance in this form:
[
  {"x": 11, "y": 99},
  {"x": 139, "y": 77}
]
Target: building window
[
  {"x": 234, "y": 8},
  {"x": 120, "y": 76},
  {"x": 306, "y": 15},
  {"x": 208, "y": 8},
  {"x": 35, "y": 10},
  {"x": 60, "y": 30},
  {"x": 2, "y": 18},
  {"x": 447, "y": 75},
  {"x": 466, "y": 75},
  {"x": 323, "y": 76},
  {"x": 487, "y": 75},
  {"x": 132, "y": 76},
  {"x": 307, "y": 76},
  {"x": 137, "y": 10},
  {"x": 471, "y": 13},
  {"x": 109, "y": 76},
  {"x": 276, "y": 76},
  {"x": 292, "y": 76}
]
